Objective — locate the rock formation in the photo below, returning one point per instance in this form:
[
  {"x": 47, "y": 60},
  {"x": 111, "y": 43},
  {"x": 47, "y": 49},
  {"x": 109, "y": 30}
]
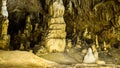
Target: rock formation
[
  {"x": 4, "y": 8},
  {"x": 5, "y": 24},
  {"x": 28, "y": 27},
  {"x": 4, "y": 37},
  {"x": 55, "y": 40},
  {"x": 99, "y": 16},
  {"x": 96, "y": 42},
  {"x": 89, "y": 57},
  {"x": 96, "y": 55}
]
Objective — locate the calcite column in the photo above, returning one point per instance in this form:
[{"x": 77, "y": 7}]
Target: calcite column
[
  {"x": 56, "y": 38},
  {"x": 4, "y": 37},
  {"x": 5, "y": 20}
]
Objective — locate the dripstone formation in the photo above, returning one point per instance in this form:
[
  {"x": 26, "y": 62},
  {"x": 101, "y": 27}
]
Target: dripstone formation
[
  {"x": 4, "y": 37},
  {"x": 55, "y": 40}
]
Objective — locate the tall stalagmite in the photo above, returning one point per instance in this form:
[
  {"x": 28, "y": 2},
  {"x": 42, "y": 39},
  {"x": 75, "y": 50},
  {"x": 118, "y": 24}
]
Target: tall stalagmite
[
  {"x": 55, "y": 40},
  {"x": 4, "y": 37}
]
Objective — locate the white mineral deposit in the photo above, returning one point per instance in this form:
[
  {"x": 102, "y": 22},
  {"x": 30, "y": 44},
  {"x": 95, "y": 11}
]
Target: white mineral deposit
[
  {"x": 4, "y": 9},
  {"x": 89, "y": 57}
]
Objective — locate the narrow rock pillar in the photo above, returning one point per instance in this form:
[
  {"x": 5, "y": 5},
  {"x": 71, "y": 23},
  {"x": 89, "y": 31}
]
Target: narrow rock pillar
[
  {"x": 4, "y": 37},
  {"x": 56, "y": 38}
]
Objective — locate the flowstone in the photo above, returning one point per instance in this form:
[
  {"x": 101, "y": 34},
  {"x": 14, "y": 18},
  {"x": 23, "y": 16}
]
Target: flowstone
[
  {"x": 4, "y": 8},
  {"x": 89, "y": 57},
  {"x": 55, "y": 40}
]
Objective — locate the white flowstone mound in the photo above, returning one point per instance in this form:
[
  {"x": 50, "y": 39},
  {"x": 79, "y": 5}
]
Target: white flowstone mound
[
  {"x": 89, "y": 57},
  {"x": 4, "y": 9}
]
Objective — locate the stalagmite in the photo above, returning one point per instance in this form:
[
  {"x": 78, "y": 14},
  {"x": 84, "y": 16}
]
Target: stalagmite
[
  {"x": 55, "y": 40},
  {"x": 104, "y": 46},
  {"x": 28, "y": 27},
  {"x": 70, "y": 9},
  {"x": 89, "y": 57},
  {"x": 69, "y": 45},
  {"x": 96, "y": 41},
  {"x": 98, "y": 61},
  {"x": 96, "y": 55},
  {"x": 36, "y": 26},
  {"x": 5, "y": 27},
  {"x": 86, "y": 34},
  {"x": 5, "y": 38},
  {"x": 5, "y": 21},
  {"x": 78, "y": 44},
  {"x": 94, "y": 48}
]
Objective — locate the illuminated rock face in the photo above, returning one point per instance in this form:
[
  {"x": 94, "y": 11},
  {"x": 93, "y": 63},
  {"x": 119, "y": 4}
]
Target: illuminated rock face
[{"x": 55, "y": 40}]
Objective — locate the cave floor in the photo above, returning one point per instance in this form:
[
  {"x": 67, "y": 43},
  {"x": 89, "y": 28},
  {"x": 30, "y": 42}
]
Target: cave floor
[
  {"x": 74, "y": 58},
  {"x": 71, "y": 59}
]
